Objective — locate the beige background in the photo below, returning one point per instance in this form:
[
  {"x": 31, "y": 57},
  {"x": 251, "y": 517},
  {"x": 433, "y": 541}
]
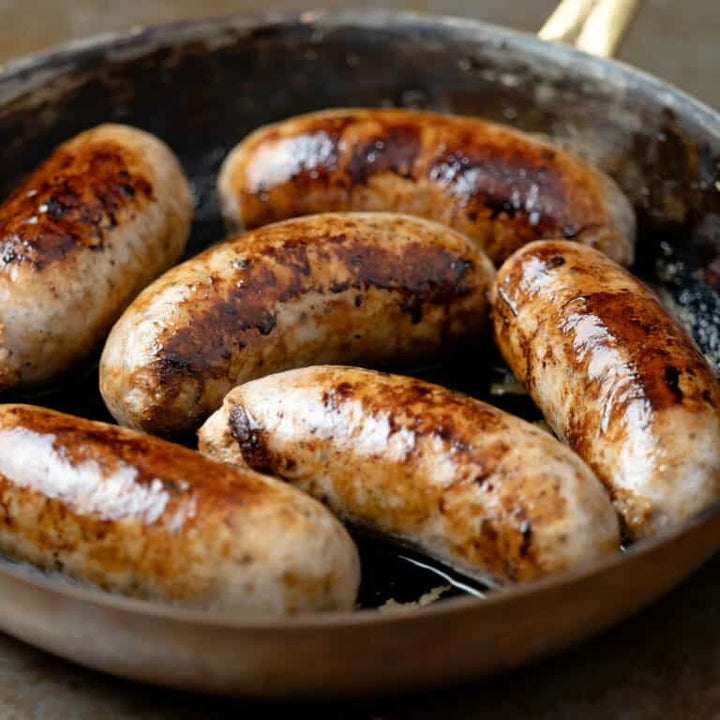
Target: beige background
[{"x": 662, "y": 664}]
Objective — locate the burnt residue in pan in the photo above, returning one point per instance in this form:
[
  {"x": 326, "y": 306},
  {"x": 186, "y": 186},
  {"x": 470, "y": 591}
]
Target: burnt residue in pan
[{"x": 203, "y": 94}]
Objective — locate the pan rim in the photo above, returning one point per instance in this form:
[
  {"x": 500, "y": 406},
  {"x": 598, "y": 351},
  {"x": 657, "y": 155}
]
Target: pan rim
[
  {"x": 366, "y": 616},
  {"x": 142, "y": 38}
]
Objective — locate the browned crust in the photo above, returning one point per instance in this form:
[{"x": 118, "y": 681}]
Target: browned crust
[
  {"x": 283, "y": 272},
  {"x": 498, "y": 186},
  {"x": 668, "y": 369},
  {"x": 617, "y": 361},
  {"x": 79, "y": 238},
  {"x": 84, "y": 440},
  {"x": 71, "y": 201},
  {"x": 504, "y": 546},
  {"x": 373, "y": 287},
  {"x": 491, "y": 508},
  {"x": 119, "y": 548}
]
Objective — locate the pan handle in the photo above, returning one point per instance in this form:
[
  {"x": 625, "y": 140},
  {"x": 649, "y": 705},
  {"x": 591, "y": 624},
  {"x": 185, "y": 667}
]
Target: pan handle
[{"x": 594, "y": 26}]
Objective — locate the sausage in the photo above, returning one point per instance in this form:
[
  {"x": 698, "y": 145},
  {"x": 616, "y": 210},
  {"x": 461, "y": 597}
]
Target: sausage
[
  {"x": 104, "y": 215},
  {"x": 138, "y": 516},
  {"x": 616, "y": 376},
  {"x": 472, "y": 486},
  {"x": 496, "y": 185},
  {"x": 366, "y": 287}
]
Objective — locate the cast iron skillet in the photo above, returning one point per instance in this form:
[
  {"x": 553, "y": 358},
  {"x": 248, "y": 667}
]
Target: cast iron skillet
[{"x": 202, "y": 86}]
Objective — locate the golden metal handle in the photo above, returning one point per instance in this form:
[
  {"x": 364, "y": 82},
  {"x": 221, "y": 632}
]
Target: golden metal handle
[{"x": 594, "y": 26}]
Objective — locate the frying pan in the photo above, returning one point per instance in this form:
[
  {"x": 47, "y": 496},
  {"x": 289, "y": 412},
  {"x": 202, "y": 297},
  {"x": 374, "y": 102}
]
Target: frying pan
[{"x": 202, "y": 86}]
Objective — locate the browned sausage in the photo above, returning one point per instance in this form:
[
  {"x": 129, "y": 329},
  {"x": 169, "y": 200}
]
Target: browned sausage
[
  {"x": 498, "y": 186},
  {"x": 479, "y": 489},
  {"x": 616, "y": 376},
  {"x": 138, "y": 516},
  {"x": 79, "y": 238},
  {"x": 377, "y": 288}
]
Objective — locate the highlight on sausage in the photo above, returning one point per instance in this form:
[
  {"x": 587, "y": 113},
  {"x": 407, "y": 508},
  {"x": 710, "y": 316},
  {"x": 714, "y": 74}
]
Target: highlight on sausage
[
  {"x": 104, "y": 215},
  {"x": 497, "y": 185},
  {"x": 376, "y": 288},
  {"x": 141, "y": 517},
  {"x": 470, "y": 485},
  {"x": 616, "y": 376}
]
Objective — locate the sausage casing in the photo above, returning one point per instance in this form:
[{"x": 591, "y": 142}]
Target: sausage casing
[
  {"x": 378, "y": 288},
  {"x": 469, "y": 484},
  {"x": 141, "y": 517},
  {"x": 104, "y": 215},
  {"x": 616, "y": 376},
  {"x": 496, "y": 185}
]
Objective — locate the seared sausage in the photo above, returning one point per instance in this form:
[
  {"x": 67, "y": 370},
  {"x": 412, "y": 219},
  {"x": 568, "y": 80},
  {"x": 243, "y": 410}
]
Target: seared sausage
[
  {"x": 616, "y": 376},
  {"x": 366, "y": 287},
  {"x": 496, "y": 185},
  {"x": 138, "y": 516},
  {"x": 79, "y": 238},
  {"x": 470, "y": 485}
]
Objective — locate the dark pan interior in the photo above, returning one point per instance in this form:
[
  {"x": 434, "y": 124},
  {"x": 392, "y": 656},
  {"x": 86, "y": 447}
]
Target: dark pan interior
[{"x": 203, "y": 86}]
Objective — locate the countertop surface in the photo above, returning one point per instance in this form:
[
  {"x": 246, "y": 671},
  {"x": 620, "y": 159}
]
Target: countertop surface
[{"x": 663, "y": 663}]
